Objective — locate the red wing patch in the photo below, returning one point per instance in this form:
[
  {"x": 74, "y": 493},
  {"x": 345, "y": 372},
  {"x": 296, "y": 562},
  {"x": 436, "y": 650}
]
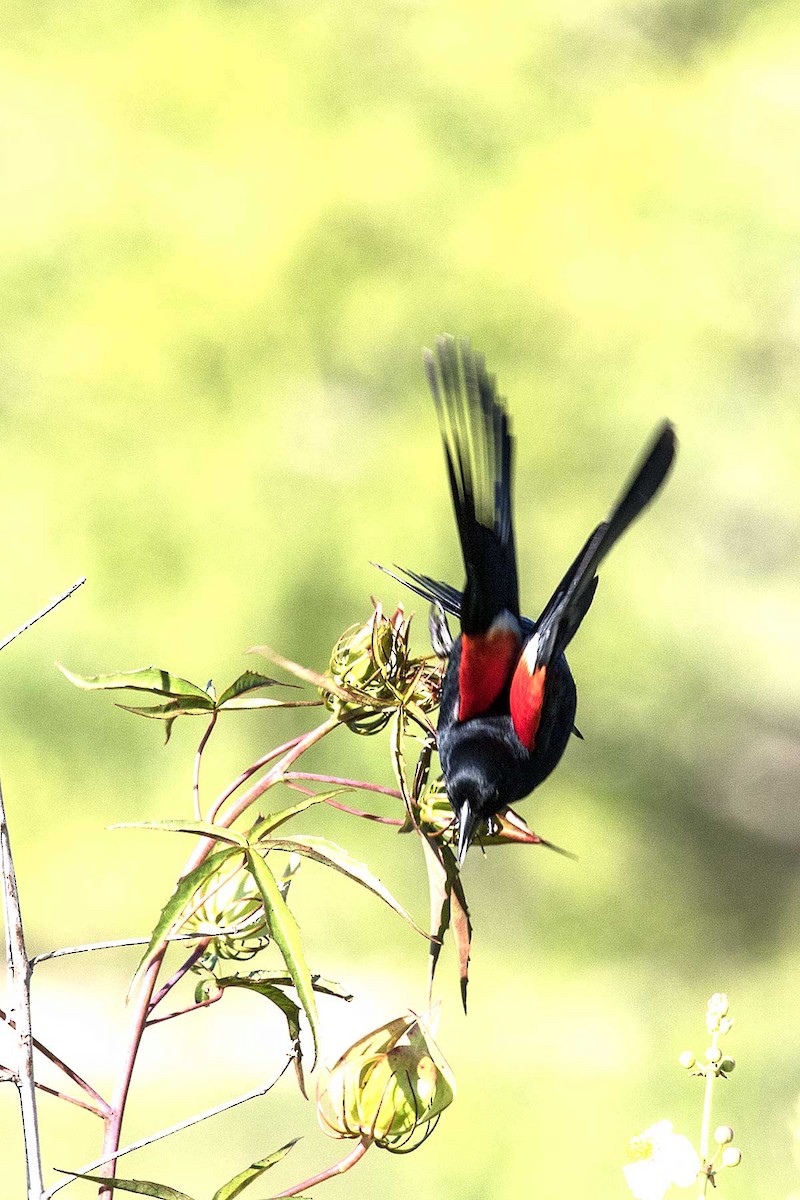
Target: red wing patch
[
  {"x": 487, "y": 660},
  {"x": 527, "y": 700}
]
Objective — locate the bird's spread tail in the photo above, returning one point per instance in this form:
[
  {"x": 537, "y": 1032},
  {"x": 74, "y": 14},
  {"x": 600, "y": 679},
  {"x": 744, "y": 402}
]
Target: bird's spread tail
[{"x": 479, "y": 453}]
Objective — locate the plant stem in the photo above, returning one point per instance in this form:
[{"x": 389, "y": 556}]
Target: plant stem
[
  {"x": 19, "y": 990},
  {"x": 249, "y": 772},
  {"x": 338, "y": 1168},
  {"x": 705, "y": 1125},
  {"x": 198, "y": 758},
  {"x": 62, "y": 1066},
  {"x": 356, "y": 784},
  {"x": 117, "y": 944}
]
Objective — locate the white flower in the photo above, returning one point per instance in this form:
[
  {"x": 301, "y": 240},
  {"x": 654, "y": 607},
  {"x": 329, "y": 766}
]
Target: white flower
[{"x": 661, "y": 1158}]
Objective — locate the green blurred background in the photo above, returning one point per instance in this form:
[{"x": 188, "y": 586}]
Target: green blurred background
[{"x": 227, "y": 229}]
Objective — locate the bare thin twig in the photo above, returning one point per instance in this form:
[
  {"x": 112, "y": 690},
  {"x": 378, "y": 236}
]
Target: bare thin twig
[
  {"x": 116, "y": 944},
  {"x": 7, "y": 1074},
  {"x": 102, "y": 1105},
  {"x": 163, "y": 1133},
  {"x": 48, "y": 608},
  {"x": 19, "y": 990}
]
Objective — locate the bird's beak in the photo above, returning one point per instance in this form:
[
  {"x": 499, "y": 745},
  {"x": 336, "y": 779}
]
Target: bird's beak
[{"x": 467, "y": 824}]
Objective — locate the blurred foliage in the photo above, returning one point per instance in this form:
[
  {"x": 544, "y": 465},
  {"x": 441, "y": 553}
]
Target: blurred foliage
[{"x": 226, "y": 228}]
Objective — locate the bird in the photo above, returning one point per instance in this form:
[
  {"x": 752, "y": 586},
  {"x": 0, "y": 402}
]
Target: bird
[{"x": 508, "y": 698}]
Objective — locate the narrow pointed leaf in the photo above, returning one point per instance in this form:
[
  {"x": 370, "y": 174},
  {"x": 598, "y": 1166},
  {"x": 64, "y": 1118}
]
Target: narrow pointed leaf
[
  {"x": 145, "y": 679},
  {"x": 172, "y": 910},
  {"x": 440, "y": 904},
  {"x": 326, "y": 987},
  {"x": 142, "y": 1187},
  {"x": 330, "y": 855},
  {"x": 462, "y": 928},
  {"x": 286, "y": 934},
  {"x": 271, "y": 821},
  {"x": 248, "y": 682},
  {"x": 234, "y": 1186},
  {"x": 185, "y": 706},
  {"x": 200, "y": 828},
  {"x": 326, "y": 682},
  {"x": 288, "y": 1007}
]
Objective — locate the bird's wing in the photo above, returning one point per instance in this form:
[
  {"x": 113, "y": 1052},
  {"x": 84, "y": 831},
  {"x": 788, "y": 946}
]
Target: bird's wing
[{"x": 570, "y": 602}]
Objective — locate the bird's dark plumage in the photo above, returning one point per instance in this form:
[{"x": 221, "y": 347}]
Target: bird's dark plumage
[{"x": 508, "y": 697}]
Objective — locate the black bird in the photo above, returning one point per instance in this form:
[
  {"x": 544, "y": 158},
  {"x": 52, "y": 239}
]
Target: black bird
[{"x": 508, "y": 696}]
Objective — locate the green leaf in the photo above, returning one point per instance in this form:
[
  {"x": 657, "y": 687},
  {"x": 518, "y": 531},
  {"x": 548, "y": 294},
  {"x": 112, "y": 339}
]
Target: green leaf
[
  {"x": 327, "y": 987},
  {"x": 270, "y": 991},
  {"x": 286, "y": 935},
  {"x": 201, "y": 828},
  {"x": 146, "y": 679},
  {"x": 326, "y": 682},
  {"x": 142, "y": 1187},
  {"x": 330, "y": 855},
  {"x": 248, "y": 682},
  {"x": 172, "y": 910},
  {"x": 271, "y": 821},
  {"x": 185, "y": 706},
  {"x": 448, "y": 908},
  {"x": 234, "y": 1186},
  {"x": 283, "y": 979}
]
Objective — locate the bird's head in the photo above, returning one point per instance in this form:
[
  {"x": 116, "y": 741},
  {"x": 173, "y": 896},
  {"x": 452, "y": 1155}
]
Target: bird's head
[{"x": 473, "y": 798}]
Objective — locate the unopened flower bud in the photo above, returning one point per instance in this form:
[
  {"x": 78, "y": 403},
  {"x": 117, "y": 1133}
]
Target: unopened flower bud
[
  {"x": 388, "y": 1086},
  {"x": 731, "y": 1156},
  {"x": 713, "y": 1054},
  {"x": 723, "y": 1134},
  {"x": 373, "y": 667},
  {"x": 232, "y": 909},
  {"x": 687, "y": 1059},
  {"x": 719, "y": 1004}
]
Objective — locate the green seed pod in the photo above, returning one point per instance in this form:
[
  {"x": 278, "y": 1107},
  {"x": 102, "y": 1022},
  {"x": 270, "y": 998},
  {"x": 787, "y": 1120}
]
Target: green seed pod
[
  {"x": 727, "y": 1065},
  {"x": 389, "y": 1086},
  {"x": 233, "y": 909},
  {"x": 372, "y": 662}
]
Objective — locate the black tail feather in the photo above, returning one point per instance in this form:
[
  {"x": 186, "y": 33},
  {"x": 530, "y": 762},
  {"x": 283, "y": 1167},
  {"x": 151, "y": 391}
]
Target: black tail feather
[{"x": 479, "y": 455}]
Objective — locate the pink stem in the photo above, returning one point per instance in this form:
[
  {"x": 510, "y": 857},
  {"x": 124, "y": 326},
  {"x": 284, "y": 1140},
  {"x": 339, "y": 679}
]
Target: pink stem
[
  {"x": 356, "y": 784},
  {"x": 180, "y": 1011},
  {"x": 198, "y": 758},
  {"x": 197, "y": 953},
  {"x": 240, "y": 805},
  {"x": 358, "y": 812},
  {"x": 338, "y": 1168},
  {"x": 251, "y": 770}
]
